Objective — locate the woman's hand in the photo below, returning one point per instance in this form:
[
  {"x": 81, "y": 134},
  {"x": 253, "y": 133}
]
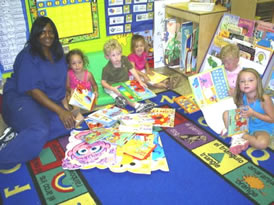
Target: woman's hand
[{"x": 67, "y": 118}]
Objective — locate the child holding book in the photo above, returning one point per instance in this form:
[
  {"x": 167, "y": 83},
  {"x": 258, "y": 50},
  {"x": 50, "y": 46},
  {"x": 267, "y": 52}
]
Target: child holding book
[
  {"x": 77, "y": 76},
  {"x": 117, "y": 70},
  {"x": 258, "y": 108},
  {"x": 138, "y": 59},
  {"x": 230, "y": 55}
]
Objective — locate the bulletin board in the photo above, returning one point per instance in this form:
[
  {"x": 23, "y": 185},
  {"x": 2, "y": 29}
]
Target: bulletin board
[
  {"x": 76, "y": 20},
  {"x": 128, "y": 16}
]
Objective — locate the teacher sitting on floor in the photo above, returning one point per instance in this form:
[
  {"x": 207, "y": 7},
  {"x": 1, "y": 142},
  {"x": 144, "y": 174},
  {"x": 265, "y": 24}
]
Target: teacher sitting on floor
[{"x": 32, "y": 97}]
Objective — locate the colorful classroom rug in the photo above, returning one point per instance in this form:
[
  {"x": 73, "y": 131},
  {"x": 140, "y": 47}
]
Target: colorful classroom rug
[{"x": 202, "y": 170}]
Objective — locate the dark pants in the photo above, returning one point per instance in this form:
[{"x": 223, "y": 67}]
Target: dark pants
[{"x": 34, "y": 124}]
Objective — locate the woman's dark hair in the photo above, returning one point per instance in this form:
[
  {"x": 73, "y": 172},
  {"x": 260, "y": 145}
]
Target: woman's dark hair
[{"x": 36, "y": 31}]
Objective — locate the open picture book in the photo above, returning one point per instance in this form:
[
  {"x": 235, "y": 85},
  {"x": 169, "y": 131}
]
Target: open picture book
[
  {"x": 133, "y": 91},
  {"x": 210, "y": 89}
]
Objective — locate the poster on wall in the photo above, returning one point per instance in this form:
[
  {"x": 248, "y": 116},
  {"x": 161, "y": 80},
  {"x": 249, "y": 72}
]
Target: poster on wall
[
  {"x": 13, "y": 33},
  {"x": 76, "y": 21},
  {"x": 127, "y": 16}
]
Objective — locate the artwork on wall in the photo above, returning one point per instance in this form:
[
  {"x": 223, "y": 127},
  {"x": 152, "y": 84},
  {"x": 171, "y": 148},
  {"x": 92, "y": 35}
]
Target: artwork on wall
[
  {"x": 128, "y": 16},
  {"x": 76, "y": 21}
]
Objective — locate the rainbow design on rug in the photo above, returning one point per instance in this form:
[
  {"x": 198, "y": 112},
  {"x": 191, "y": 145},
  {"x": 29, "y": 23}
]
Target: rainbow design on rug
[{"x": 58, "y": 185}]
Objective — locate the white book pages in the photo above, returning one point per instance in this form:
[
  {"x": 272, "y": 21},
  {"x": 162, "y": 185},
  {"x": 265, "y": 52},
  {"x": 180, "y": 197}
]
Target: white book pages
[{"x": 213, "y": 113}]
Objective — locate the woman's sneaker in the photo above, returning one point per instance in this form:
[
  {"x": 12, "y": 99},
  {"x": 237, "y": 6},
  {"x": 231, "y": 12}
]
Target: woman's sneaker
[
  {"x": 120, "y": 101},
  {"x": 6, "y": 137},
  {"x": 145, "y": 107}
]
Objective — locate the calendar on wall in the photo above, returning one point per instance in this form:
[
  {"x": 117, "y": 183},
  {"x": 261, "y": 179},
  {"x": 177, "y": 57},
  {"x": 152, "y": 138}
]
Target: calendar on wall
[
  {"x": 127, "y": 16},
  {"x": 13, "y": 33},
  {"x": 76, "y": 20}
]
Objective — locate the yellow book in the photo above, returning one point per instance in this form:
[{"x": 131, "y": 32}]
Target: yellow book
[
  {"x": 138, "y": 149},
  {"x": 156, "y": 78}
]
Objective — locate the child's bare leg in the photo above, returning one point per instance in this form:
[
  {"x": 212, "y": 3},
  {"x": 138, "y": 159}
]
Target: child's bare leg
[
  {"x": 161, "y": 85},
  {"x": 225, "y": 119},
  {"x": 260, "y": 139}
]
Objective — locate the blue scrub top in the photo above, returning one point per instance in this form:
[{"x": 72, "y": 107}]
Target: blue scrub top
[{"x": 32, "y": 72}]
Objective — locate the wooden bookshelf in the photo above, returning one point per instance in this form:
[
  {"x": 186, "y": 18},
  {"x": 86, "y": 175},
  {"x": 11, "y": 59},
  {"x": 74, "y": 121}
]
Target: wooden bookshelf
[
  {"x": 206, "y": 21},
  {"x": 250, "y": 9}
]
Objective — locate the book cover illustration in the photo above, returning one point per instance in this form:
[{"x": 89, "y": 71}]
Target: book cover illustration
[
  {"x": 186, "y": 45},
  {"x": 92, "y": 124},
  {"x": 212, "y": 62},
  {"x": 143, "y": 128},
  {"x": 133, "y": 91},
  {"x": 119, "y": 138},
  {"x": 94, "y": 134},
  {"x": 136, "y": 123},
  {"x": 81, "y": 155},
  {"x": 139, "y": 149},
  {"x": 82, "y": 98},
  {"x": 136, "y": 118},
  {"x": 159, "y": 161},
  {"x": 107, "y": 116},
  {"x": 228, "y": 20},
  {"x": 172, "y": 43},
  {"x": 187, "y": 103},
  {"x": 127, "y": 163},
  {"x": 247, "y": 26},
  {"x": 262, "y": 55},
  {"x": 156, "y": 78},
  {"x": 209, "y": 86},
  {"x": 246, "y": 52},
  {"x": 163, "y": 117},
  {"x": 132, "y": 164},
  {"x": 236, "y": 123},
  {"x": 261, "y": 29},
  {"x": 141, "y": 92}
]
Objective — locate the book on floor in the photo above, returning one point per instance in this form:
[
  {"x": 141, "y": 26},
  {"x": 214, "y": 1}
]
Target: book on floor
[
  {"x": 138, "y": 149},
  {"x": 187, "y": 103},
  {"x": 163, "y": 117},
  {"x": 107, "y": 116},
  {"x": 156, "y": 78}
]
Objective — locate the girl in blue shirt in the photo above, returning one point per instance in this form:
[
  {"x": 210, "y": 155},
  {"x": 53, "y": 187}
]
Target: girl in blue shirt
[{"x": 259, "y": 108}]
